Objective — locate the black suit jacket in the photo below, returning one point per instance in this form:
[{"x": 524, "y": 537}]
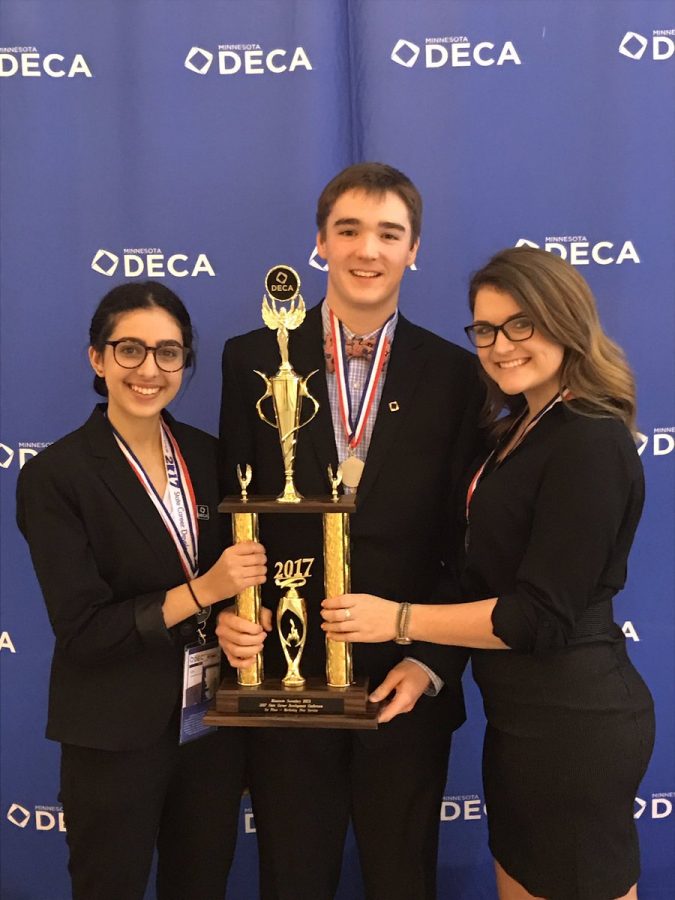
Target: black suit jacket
[
  {"x": 403, "y": 534},
  {"x": 105, "y": 560}
]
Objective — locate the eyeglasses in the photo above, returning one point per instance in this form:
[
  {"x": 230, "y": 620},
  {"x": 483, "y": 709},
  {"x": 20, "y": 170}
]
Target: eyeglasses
[
  {"x": 516, "y": 328},
  {"x": 132, "y": 354}
]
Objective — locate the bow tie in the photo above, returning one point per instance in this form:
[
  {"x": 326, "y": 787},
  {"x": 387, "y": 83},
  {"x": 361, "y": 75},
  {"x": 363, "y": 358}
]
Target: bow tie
[{"x": 355, "y": 348}]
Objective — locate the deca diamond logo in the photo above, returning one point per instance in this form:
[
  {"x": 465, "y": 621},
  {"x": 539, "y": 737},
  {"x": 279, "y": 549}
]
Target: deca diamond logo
[
  {"x": 579, "y": 251},
  {"x": 18, "y": 815},
  {"x": 405, "y": 53},
  {"x": 105, "y": 262},
  {"x": 250, "y": 59},
  {"x": 455, "y": 52},
  {"x": 198, "y": 60},
  {"x": 634, "y": 45},
  {"x": 151, "y": 263}
]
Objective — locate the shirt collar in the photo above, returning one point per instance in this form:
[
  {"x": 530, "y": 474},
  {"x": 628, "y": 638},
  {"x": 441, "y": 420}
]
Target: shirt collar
[{"x": 325, "y": 318}]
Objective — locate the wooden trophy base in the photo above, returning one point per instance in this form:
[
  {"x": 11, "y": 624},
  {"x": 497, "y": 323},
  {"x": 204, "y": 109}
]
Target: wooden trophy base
[{"x": 315, "y": 705}]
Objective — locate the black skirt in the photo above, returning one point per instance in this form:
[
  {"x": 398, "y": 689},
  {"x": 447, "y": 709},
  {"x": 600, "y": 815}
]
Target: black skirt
[{"x": 568, "y": 741}]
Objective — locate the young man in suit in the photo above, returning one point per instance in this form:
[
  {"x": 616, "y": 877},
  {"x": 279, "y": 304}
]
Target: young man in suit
[{"x": 404, "y": 460}]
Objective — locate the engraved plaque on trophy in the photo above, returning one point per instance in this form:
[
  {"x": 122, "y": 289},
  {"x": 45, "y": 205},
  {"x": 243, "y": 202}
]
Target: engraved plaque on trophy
[{"x": 293, "y": 701}]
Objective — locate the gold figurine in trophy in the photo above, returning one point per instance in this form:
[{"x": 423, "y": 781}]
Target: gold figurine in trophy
[
  {"x": 287, "y": 389},
  {"x": 291, "y": 613}
]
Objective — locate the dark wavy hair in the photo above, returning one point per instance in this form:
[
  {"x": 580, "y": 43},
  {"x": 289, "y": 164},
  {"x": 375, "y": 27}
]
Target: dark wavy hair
[
  {"x": 373, "y": 178},
  {"x": 130, "y": 296},
  {"x": 560, "y": 303}
]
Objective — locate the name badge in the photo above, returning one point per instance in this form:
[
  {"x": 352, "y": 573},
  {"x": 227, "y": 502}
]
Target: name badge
[{"x": 201, "y": 674}]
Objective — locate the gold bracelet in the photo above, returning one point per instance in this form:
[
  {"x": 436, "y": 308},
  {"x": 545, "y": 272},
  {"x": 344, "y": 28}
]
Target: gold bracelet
[{"x": 402, "y": 623}]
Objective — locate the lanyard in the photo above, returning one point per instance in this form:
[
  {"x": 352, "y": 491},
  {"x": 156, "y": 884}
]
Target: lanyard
[
  {"x": 180, "y": 520},
  {"x": 354, "y": 425},
  {"x": 475, "y": 481}
]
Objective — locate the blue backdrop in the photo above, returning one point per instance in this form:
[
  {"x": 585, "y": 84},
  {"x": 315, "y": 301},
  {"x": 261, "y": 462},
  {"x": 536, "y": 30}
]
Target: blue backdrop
[{"x": 189, "y": 139}]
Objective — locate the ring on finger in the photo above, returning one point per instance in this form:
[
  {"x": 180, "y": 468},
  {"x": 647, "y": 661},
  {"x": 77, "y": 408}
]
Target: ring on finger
[{"x": 348, "y": 614}]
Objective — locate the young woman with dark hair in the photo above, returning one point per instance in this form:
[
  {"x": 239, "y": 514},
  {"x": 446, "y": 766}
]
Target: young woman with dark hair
[{"x": 122, "y": 524}]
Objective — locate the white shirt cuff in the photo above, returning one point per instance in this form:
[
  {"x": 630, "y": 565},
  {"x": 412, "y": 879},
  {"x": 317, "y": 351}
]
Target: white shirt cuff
[{"x": 437, "y": 684}]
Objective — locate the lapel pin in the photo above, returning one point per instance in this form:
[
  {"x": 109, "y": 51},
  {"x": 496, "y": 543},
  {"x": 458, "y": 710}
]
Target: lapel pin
[{"x": 393, "y": 406}]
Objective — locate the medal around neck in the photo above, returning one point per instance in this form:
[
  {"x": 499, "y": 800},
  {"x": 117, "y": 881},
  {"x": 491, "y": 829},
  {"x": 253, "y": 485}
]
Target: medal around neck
[
  {"x": 352, "y": 470},
  {"x": 285, "y": 311}
]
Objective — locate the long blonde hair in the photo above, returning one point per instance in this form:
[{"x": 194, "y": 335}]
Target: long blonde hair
[{"x": 560, "y": 303}]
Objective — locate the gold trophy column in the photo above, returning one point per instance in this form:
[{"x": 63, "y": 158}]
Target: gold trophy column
[
  {"x": 337, "y": 581},
  {"x": 245, "y": 528}
]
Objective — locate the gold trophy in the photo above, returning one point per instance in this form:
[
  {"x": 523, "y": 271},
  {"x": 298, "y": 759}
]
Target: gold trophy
[
  {"x": 286, "y": 388},
  {"x": 294, "y": 701}
]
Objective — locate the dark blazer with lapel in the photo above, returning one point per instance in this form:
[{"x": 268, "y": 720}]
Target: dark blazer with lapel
[
  {"x": 402, "y": 531},
  {"x": 104, "y": 561}
]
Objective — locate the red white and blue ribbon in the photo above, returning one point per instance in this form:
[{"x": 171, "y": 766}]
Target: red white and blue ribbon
[
  {"x": 354, "y": 425},
  {"x": 180, "y": 514}
]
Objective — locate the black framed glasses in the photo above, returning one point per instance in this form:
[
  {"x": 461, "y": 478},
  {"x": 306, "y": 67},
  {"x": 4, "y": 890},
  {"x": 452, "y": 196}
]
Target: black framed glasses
[
  {"x": 515, "y": 328},
  {"x": 131, "y": 354}
]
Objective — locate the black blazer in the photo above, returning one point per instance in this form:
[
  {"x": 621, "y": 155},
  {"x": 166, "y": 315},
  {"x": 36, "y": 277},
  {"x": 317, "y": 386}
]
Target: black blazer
[
  {"x": 402, "y": 533},
  {"x": 105, "y": 560}
]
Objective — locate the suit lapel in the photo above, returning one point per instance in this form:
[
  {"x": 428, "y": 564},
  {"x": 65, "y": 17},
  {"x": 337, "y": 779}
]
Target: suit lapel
[
  {"x": 130, "y": 494},
  {"x": 404, "y": 372}
]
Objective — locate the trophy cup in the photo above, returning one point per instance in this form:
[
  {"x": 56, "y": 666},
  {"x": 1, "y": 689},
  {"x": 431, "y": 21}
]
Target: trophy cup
[
  {"x": 286, "y": 388},
  {"x": 294, "y": 701}
]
